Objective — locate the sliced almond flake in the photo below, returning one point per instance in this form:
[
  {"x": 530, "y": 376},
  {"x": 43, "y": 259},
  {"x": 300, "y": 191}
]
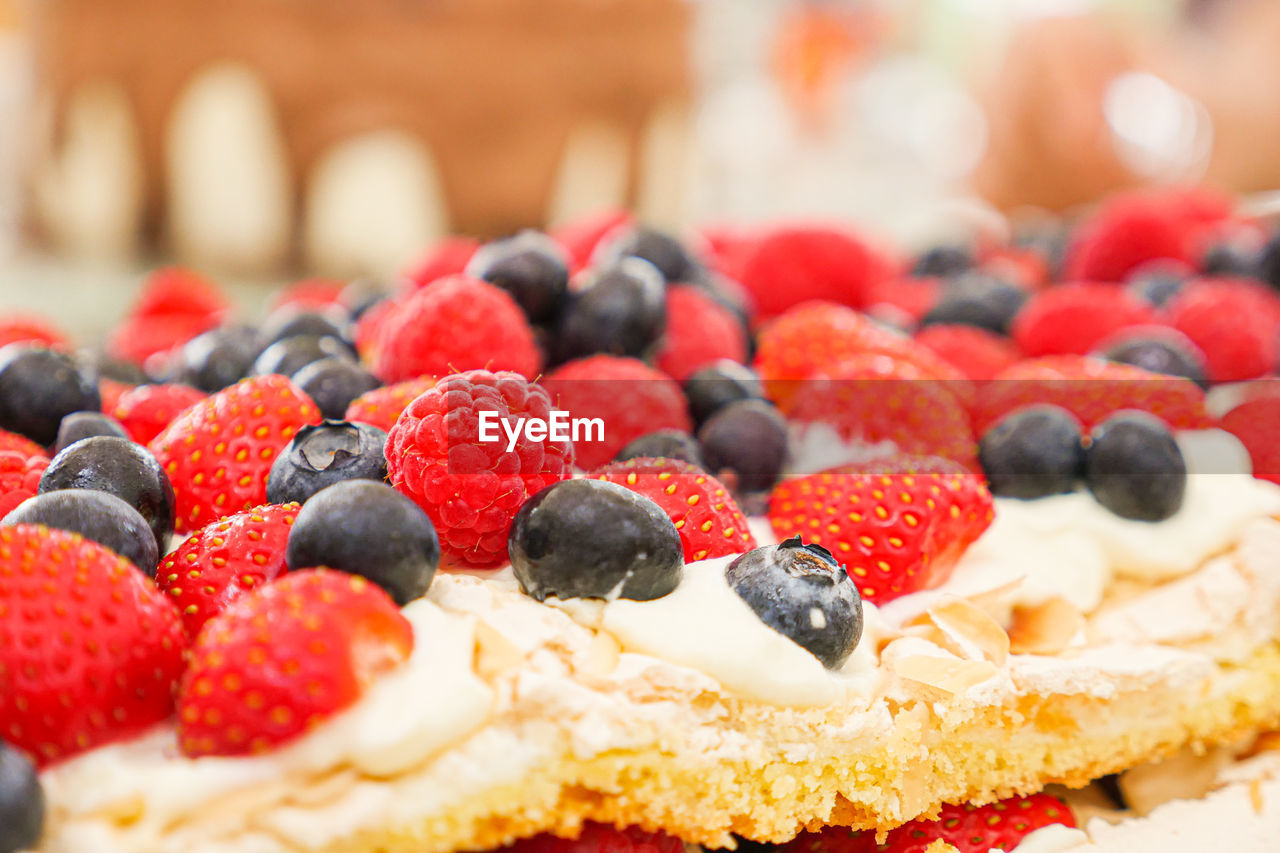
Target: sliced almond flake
[
  {"x": 326, "y": 790},
  {"x": 494, "y": 652},
  {"x": 940, "y": 846},
  {"x": 1255, "y": 795},
  {"x": 601, "y": 657},
  {"x": 1045, "y": 629},
  {"x": 996, "y": 600},
  {"x": 966, "y": 630},
  {"x": 946, "y": 674}
]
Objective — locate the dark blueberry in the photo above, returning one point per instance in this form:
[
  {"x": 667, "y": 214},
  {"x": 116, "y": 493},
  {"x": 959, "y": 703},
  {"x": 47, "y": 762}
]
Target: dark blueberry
[
  {"x": 594, "y": 539},
  {"x": 332, "y": 383},
  {"x": 290, "y": 355},
  {"x": 38, "y": 388},
  {"x": 361, "y": 295},
  {"x": 1033, "y": 453},
  {"x": 217, "y": 359},
  {"x": 665, "y": 443},
  {"x": 367, "y": 529},
  {"x": 1157, "y": 282},
  {"x": 1160, "y": 352},
  {"x": 121, "y": 468},
  {"x": 95, "y": 515},
  {"x": 978, "y": 300},
  {"x": 1269, "y": 261},
  {"x": 81, "y": 425},
  {"x": 732, "y": 296},
  {"x": 622, "y": 310},
  {"x": 322, "y": 455},
  {"x": 292, "y": 321},
  {"x": 801, "y": 592},
  {"x": 664, "y": 251},
  {"x": 944, "y": 262},
  {"x": 749, "y": 438},
  {"x": 715, "y": 386},
  {"x": 1229, "y": 260},
  {"x": 21, "y": 802},
  {"x": 98, "y": 364},
  {"x": 531, "y": 267},
  {"x": 1134, "y": 467}
]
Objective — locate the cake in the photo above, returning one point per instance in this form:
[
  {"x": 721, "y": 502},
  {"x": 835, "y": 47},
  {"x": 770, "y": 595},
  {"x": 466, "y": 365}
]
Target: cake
[{"x": 885, "y": 575}]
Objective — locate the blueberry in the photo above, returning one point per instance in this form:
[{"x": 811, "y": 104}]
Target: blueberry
[
  {"x": 1032, "y": 453},
  {"x": 367, "y": 529},
  {"x": 659, "y": 248},
  {"x": 801, "y": 592},
  {"x": 531, "y": 267},
  {"x": 322, "y": 455},
  {"x": 1268, "y": 268},
  {"x": 79, "y": 425},
  {"x": 1158, "y": 282},
  {"x": 715, "y": 386},
  {"x": 594, "y": 539},
  {"x": 943, "y": 262},
  {"x": 217, "y": 359},
  {"x": 622, "y": 310},
  {"x": 291, "y": 321},
  {"x": 21, "y": 802},
  {"x": 121, "y": 468},
  {"x": 38, "y": 388},
  {"x": 99, "y": 364},
  {"x": 332, "y": 383},
  {"x": 1166, "y": 352},
  {"x": 1134, "y": 468},
  {"x": 978, "y": 300},
  {"x": 749, "y": 438},
  {"x": 1229, "y": 259},
  {"x": 95, "y": 515},
  {"x": 361, "y": 295},
  {"x": 288, "y": 356},
  {"x": 665, "y": 443}
]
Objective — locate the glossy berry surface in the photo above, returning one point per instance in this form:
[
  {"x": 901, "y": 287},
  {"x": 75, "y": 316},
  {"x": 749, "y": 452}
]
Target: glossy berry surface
[
  {"x": 290, "y": 321},
  {"x": 80, "y": 425},
  {"x": 709, "y": 389},
  {"x": 38, "y": 388},
  {"x": 22, "y": 803},
  {"x": 216, "y": 359},
  {"x": 286, "y": 357},
  {"x": 146, "y": 410},
  {"x": 1134, "y": 467},
  {"x": 663, "y": 443},
  {"x": 621, "y": 310},
  {"x": 1033, "y": 453},
  {"x": 97, "y": 516},
  {"x": 803, "y": 593},
  {"x": 594, "y": 539},
  {"x": 749, "y": 439},
  {"x": 1160, "y": 350},
  {"x": 333, "y": 383},
  {"x": 324, "y": 454},
  {"x": 978, "y": 300},
  {"x": 117, "y": 466},
  {"x": 665, "y": 251},
  {"x": 531, "y": 267},
  {"x": 367, "y": 529}
]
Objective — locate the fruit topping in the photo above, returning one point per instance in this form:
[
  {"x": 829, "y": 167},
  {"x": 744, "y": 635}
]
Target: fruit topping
[
  {"x": 601, "y": 838},
  {"x": 381, "y": 406},
  {"x": 369, "y": 529},
  {"x": 619, "y": 309},
  {"x": 594, "y": 539},
  {"x": 80, "y": 425},
  {"x": 531, "y": 267},
  {"x": 98, "y": 516},
  {"x": 216, "y": 359},
  {"x": 667, "y": 253},
  {"x": 1158, "y": 349},
  {"x": 979, "y": 300},
  {"x": 1071, "y": 319},
  {"x": 803, "y": 593},
  {"x": 22, "y": 803},
  {"x": 1236, "y": 324},
  {"x": 328, "y": 453},
  {"x": 1133, "y": 466},
  {"x": 664, "y": 444},
  {"x": 278, "y": 662},
  {"x": 1256, "y": 423},
  {"x": 19, "y": 478},
  {"x": 1032, "y": 453},
  {"x": 289, "y": 355},
  {"x": 795, "y": 264},
  {"x": 146, "y": 410},
  {"x": 978, "y": 354},
  {"x": 38, "y": 388},
  {"x": 747, "y": 441},
  {"x": 334, "y": 383},
  {"x": 711, "y": 388},
  {"x": 700, "y": 331}
]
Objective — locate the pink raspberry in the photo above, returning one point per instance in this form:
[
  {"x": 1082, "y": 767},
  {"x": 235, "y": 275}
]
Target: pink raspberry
[
  {"x": 473, "y": 489},
  {"x": 700, "y": 331},
  {"x": 19, "y": 478}
]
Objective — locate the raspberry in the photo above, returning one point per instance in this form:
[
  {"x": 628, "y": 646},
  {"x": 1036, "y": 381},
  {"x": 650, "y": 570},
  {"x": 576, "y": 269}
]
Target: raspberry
[
  {"x": 976, "y": 352},
  {"x": 791, "y": 265},
  {"x": 1126, "y": 232},
  {"x": 19, "y": 478},
  {"x": 175, "y": 305},
  {"x": 19, "y": 328},
  {"x": 447, "y": 257},
  {"x": 699, "y": 332},
  {"x": 630, "y": 397},
  {"x": 111, "y": 391},
  {"x": 1256, "y": 423},
  {"x": 470, "y": 489},
  {"x": 381, "y": 406},
  {"x": 1235, "y": 323},
  {"x": 1072, "y": 318},
  {"x": 14, "y": 443},
  {"x": 455, "y": 324},
  {"x": 145, "y": 411}
]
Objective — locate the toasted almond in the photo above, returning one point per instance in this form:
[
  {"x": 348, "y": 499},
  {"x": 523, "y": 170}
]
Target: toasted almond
[
  {"x": 494, "y": 652},
  {"x": 966, "y": 630},
  {"x": 947, "y": 674},
  {"x": 602, "y": 655},
  {"x": 1185, "y": 776},
  {"x": 1045, "y": 629},
  {"x": 325, "y": 790}
]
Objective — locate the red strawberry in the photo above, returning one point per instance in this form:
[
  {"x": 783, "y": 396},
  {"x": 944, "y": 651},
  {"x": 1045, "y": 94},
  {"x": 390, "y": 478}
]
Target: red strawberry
[
  {"x": 218, "y": 452},
  {"x": 967, "y": 828},
  {"x": 631, "y": 398},
  {"x": 1235, "y": 323},
  {"x": 599, "y": 838},
  {"x": 224, "y": 560},
  {"x": 871, "y": 399},
  {"x": 369, "y": 327},
  {"x": 309, "y": 294},
  {"x": 175, "y": 305},
  {"x": 174, "y": 290},
  {"x": 381, "y": 406},
  {"x": 277, "y": 662},
  {"x": 911, "y": 298},
  {"x": 1126, "y": 232},
  {"x": 1091, "y": 389},
  {"x": 898, "y": 526},
  {"x": 19, "y": 478},
  {"x": 709, "y": 521},
  {"x": 90, "y": 650},
  {"x": 791, "y": 265},
  {"x": 146, "y": 410},
  {"x": 455, "y": 324},
  {"x": 1256, "y": 422},
  {"x": 471, "y": 489},
  {"x": 447, "y": 257},
  {"x": 978, "y": 353},
  {"x": 111, "y": 391},
  {"x": 699, "y": 332},
  {"x": 14, "y": 443},
  {"x": 580, "y": 236},
  {"x": 21, "y": 328},
  {"x": 1072, "y": 318}
]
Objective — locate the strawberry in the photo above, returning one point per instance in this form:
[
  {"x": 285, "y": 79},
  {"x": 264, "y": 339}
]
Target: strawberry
[
  {"x": 898, "y": 525},
  {"x": 1072, "y": 318},
  {"x": 381, "y": 406},
  {"x": 222, "y": 561},
  {"x": 699, "y": 332},
  {"x": 90, "y": 650},
  {"x": 967, "y": 828},
  {"x": 145, "y": 411},
  {"x": 218, "y": 452},
  {"x": 978, "y": 353},
  {"x": 13, "y": 443},
  {"x": 1235, "y": 323},
  {"x": 175, "y": 305},
  {"x": 19, "y": 478},
  {"x": 871, "y": 399},
  {"x": 1256, "y": 422},
  {"x": 22, "y": 328},
  {"x": 447, "y": 257},
  {"x": 909, "y": 297},
  {"x": 580, "y": 236},
  {"x": 279, "y": 661},
  {"x": 1091, "y": 389},
  {"x": 111, "y": 391},
  {"x": 309, "y": 294},
  {"x": 709, "y": 521},
  {"x": 600, "y": 838},
  {"x": 1126, "y": 232},
  {"x": 794, "y": 264}
]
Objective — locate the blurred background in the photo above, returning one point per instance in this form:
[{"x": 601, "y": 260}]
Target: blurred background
[{"x": 258, "y": 141}]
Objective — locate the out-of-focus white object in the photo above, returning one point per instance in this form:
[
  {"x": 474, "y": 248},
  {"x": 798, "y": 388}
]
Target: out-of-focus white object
[{"x": 1160, "y": 132}]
